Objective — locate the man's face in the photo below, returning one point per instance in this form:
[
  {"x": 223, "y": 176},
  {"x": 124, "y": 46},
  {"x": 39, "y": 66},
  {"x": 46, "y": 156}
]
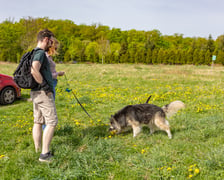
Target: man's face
[{"x": 49, "y": 43}]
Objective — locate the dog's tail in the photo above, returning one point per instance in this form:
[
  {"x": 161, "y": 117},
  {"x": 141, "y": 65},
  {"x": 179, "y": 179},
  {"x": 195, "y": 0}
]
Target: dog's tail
[
  {"x": 172, "y": 108},
  {"x": 148, "y": 99}
]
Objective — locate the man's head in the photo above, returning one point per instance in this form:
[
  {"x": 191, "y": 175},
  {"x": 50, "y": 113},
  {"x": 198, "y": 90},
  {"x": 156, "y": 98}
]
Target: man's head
[{"x": 44, "y": 39}]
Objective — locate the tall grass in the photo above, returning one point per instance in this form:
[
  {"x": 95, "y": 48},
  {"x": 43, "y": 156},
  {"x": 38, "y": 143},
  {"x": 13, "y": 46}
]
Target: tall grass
[{"x": 84, "y": 149}]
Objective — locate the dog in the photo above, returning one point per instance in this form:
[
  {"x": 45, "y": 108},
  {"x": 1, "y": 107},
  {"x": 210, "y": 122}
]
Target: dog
[{"x": 144, "y": 114}]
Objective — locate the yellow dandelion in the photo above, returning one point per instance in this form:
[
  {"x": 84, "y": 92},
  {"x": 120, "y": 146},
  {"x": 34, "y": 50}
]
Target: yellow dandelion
[
  {"x": 143, "y": 151},
  {"x": 169, "y": 169},
  {"x": 190, "y": 176},
  {"x": 196, "y": 171}
]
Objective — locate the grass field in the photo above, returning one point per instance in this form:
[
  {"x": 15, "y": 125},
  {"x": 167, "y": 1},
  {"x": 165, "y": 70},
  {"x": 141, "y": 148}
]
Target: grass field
[{"x": 84, "y": 149}]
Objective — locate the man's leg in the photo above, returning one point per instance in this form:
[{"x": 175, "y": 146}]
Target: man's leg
[
  {"x": 48, "y": 110},
  {"x": 47, "y": 137},
  {"x": 37, "y": 136},
  {"x": 38, "y": 120}
]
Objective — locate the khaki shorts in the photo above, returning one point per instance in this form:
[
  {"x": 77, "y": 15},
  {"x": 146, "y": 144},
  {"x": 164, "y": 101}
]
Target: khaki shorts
[{"x": 44, "y": 110}]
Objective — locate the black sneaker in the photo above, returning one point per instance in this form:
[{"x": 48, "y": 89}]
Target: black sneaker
[{"x": 46, "y": 157}]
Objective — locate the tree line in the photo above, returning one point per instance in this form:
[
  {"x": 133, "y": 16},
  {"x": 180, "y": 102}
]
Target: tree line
[{"x": 97, "y": 43}]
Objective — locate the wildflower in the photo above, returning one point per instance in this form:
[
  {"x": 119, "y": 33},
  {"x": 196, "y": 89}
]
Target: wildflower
[
  {"x": 190, "y": 176},
  {"x": 2, "y": 156},
  {"x": 196, "y": 171},
  {"x": 143, "y": 151},
  {"x": 169, "y": 169}
]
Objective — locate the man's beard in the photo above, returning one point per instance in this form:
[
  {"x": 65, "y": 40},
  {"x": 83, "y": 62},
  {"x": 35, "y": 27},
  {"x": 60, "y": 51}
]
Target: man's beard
[{"x": 47, "y": 49}]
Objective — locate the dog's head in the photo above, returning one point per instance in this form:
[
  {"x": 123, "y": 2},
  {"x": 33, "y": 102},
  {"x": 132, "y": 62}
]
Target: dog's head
[{"x": 114, "y": 125}]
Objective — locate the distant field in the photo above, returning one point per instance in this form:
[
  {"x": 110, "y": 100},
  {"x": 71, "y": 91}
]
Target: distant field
[{"x": 84, "y": 149}]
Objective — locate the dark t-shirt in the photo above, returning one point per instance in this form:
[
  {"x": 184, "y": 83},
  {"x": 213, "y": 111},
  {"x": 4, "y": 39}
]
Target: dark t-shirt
[{"x": 44, "y": 69}]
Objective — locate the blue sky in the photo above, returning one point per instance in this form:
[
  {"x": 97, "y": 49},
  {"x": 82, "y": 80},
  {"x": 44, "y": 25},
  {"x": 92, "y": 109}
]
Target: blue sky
[{"x": 192, "y": 18}]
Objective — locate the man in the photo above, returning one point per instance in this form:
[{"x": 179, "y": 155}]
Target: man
[{"x": 42, "y": 96}]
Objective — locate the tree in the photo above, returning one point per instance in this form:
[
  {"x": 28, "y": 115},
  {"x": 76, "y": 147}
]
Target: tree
[
  {"x": 149, "y": 56},
  {"x": 208, "y": 58},
  {"x": 196, "y": 57},
  {"x": 178, "y": 56},
  {"x": 115, "y": 52},
  {"x": 115, "y": 35},
  {"x": 30, "y": 28},
  {"x": 220, "y": 57},
  {"x": 172, "y": 56},
  {"x": 140, "y": 53},
  {"x": 154, "y": 56},
  {"x": 103, "y": 48},
  {"x": 160, "y": 58},
  {"x": 189, "y": 56},
  {"x": 220, "y": 43},
  {"x": 91, "y": 52},
  {"x": 76, "y": 50},
  {"x": 10, "y": 49},
  {"x": 201, "y": 57},
  {"x": 132, "y": 47},
  {"x": 210, "y": 44}
]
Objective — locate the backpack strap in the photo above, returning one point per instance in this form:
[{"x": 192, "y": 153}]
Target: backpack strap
[{"x": 37, "y": 48}]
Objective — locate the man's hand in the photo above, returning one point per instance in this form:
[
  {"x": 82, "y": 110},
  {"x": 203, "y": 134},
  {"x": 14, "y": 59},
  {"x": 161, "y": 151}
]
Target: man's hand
[
  {"x": 44, "y": 86},
  {"x": 61, "y": 73}
]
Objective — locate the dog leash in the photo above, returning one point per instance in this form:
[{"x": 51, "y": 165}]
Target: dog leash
[{"x": 70, "y": 90}]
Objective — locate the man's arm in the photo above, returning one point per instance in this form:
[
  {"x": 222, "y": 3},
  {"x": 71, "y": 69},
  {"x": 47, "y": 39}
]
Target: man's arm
[{"x": 35, "y": 71}]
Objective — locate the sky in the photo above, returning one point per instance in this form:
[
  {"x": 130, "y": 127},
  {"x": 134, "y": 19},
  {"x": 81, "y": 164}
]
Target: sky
[{"x": 192, "y": 18}]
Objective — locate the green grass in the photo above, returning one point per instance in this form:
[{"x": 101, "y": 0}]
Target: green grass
[{"x": 84, "y": 149}]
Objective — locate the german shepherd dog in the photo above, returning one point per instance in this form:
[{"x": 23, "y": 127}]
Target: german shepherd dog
[{"x": 145, "y": 114}]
